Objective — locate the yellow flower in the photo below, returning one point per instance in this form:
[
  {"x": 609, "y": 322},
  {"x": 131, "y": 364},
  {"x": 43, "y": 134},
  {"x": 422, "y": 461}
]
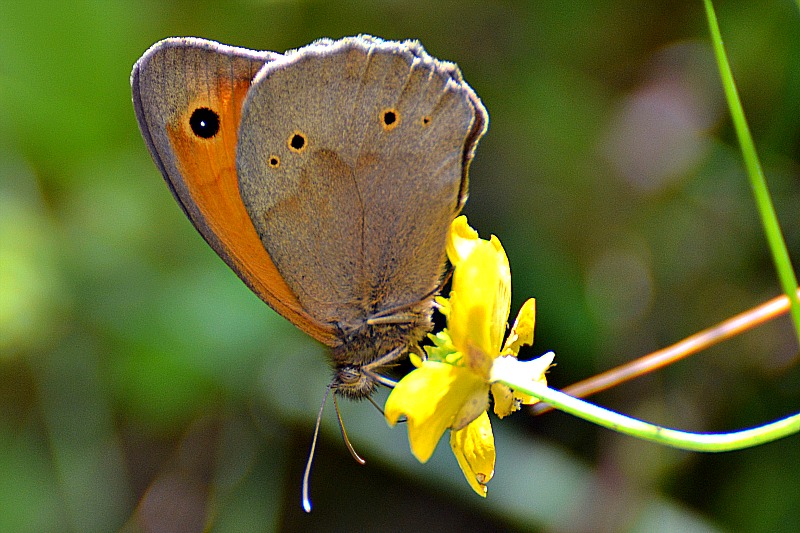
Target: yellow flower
[{"x": 450, "y": 388}]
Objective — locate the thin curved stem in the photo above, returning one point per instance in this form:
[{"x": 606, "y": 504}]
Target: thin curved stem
[{"x": 700, "y": 442}]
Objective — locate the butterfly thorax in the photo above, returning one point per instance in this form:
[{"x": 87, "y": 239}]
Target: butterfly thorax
[{"x": 368, "y": 349}]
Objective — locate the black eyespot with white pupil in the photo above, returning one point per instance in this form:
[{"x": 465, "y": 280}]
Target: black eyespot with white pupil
[{"x": 204, "y": 122}]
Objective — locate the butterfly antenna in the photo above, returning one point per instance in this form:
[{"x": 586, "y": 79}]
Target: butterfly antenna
[
  {"x": 307, "y": 474},
  {"x": 375, "y": 404},
  {"x": 347, "y": 442}
]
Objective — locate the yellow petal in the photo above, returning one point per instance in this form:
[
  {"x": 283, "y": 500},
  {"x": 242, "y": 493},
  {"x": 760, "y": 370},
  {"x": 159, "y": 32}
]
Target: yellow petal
[
  {"x": 431, "y": 397},
  {"x": 522, "y": 331},
  {"x": 476, "y": 359},
  {"x": 502, "y": 298},
  {"x": 474, "y": 449},
  {"x": 460, "y": 240},
  {"x": 504, "y": 400},
  {"x": 480, "y": 298},
  {"x": 473, "y": 405}
]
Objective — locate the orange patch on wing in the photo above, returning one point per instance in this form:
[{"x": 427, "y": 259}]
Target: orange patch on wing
[{"x": 208, "y": 167}]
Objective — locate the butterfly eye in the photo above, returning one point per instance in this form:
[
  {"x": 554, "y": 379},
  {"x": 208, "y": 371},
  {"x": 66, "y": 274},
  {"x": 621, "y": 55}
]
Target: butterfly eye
[
  {"x": 204, "y": 122},
  {"x": 297, "y": 142},
  {"x": 390, "y": 118}
]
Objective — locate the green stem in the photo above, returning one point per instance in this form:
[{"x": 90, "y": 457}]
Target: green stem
[
  {"x": 700, "y": 442},
  {"x": 780, "y": 255}
]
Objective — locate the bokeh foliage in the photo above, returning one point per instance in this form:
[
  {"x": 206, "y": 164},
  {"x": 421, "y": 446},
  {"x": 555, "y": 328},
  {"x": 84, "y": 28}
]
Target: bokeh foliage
[{"x": 137, "y": 370}]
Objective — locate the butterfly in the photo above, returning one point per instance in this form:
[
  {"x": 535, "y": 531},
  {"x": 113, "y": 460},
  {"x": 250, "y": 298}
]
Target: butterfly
[{"x": 325, "y": 177}]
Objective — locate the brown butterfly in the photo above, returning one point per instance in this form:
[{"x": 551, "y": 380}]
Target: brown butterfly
[{"x": 326, "y": 178}]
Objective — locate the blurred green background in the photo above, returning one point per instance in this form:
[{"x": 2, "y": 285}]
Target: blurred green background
[{"x": 143, "y": 387}]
